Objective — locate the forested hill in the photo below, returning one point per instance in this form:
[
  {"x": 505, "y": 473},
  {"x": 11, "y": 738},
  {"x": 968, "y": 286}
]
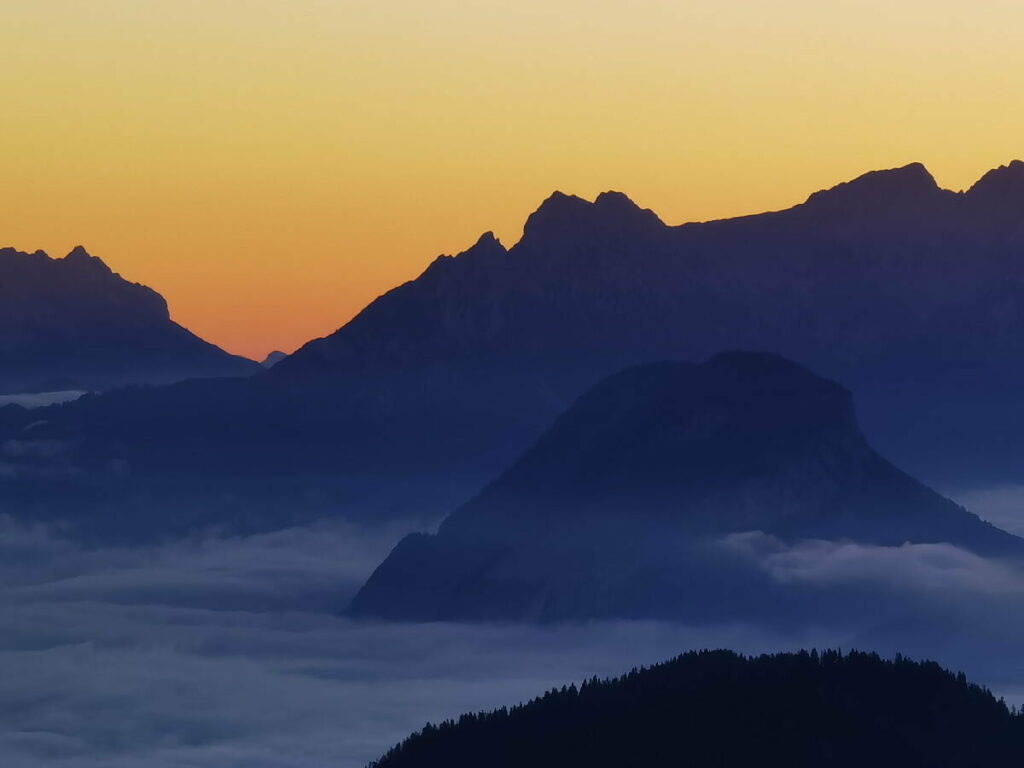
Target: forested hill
[{"x": 717, "y": 708}]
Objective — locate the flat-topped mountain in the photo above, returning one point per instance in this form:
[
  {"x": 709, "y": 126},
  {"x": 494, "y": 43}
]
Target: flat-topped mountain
[
  {"x": 72, "y": 323},
  {"x": 610, "y": 512},
  {"x": 707, "y": 708}
]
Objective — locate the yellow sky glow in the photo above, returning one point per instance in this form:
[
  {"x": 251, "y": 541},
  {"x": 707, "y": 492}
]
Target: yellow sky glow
[{"x": 271, "y": 166}]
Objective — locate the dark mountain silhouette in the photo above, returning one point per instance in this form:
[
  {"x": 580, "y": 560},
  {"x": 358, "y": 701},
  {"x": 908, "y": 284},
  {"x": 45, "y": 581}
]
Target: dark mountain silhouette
[
  {"x": 909, "y": 294},
  {"x": 72, "y": 323},
  {"x": 612, "y": 511},
  {"x": 715, "y": 708},
  {"x": 609, "y": 275}
]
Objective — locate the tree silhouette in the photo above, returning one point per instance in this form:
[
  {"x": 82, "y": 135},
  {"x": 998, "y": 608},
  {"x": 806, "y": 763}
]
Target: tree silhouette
[{"x": 717, "y": 708}]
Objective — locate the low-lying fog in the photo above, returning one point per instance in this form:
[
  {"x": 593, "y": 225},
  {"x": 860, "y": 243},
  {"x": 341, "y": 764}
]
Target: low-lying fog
[
  {"x": 231, "y": 652},
  {"x": 41, "y": 399}
]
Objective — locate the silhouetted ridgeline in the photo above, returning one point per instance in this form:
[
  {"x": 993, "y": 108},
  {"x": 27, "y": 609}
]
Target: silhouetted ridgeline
[
  {"x": 715, "y": 708},
  {"x": 911, "y": 295},
  {"x": 72, "y": 323}
]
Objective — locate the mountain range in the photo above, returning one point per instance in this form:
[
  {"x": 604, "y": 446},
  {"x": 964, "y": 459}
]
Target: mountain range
[
  {"x": 909, "y": 294},
  {"x": 715, "y": 708},
  {"x": 73, "y": 324},
  {"x": 620, "y": 509}
]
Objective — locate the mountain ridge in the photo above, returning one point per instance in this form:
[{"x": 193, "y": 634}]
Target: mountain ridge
[
  {"x": 73, "y": 323},
  {"x": 900, "y": 197},
  {"x": 874, "y": 281},
  {"x": 445, "y": 379}
]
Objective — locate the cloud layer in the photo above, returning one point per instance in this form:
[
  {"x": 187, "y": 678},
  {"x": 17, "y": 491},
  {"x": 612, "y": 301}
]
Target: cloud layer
[{"x": 231, "y": 652}]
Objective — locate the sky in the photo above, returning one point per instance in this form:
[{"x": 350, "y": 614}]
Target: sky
[{"x": 270, "y": 166}]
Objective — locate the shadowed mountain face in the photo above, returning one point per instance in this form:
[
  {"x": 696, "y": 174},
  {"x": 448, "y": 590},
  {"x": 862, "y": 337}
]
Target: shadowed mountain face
[
  {"x": 717, "y": 708},
  {"x": 909, "y": 294},
  {"x": 72, "y": 324},
  {"x": 616, "y": 510}
]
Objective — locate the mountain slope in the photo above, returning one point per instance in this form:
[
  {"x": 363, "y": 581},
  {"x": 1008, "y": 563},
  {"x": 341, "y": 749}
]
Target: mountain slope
[
  {"x": 72, "y": 323},
  {"x": 615, "y": 511},
  {"x": 718, "y": 708}
]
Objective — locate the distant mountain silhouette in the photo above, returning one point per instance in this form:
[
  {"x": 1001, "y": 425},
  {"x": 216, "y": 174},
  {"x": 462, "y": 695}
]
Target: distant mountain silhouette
[
  {"x": 909, "y": 294},
  {"x": 273, "y": 359},
  {"x": 72, "y": 323},
  {"x": 715, "y": 708},
  {"x": 609, "y": 513}
]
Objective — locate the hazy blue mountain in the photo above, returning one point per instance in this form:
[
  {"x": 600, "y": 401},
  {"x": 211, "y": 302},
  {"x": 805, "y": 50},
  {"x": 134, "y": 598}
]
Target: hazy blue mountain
[
  {"x": 909, "y": 294},
  {"x": 273, "y": 359},
  {"x": 715, "y": 708},
  {"x": 618, "y": 508},
  {"x": 73, "y": 324}
]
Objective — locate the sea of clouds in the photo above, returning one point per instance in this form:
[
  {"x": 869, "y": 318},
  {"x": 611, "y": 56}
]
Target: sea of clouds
[{"x": 234, "y": 652}]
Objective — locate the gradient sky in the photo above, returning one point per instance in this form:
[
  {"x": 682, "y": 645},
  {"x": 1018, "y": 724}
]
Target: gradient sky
[{"x": 270, "y": 165}]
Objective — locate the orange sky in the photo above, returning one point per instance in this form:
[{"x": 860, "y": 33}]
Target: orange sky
[{"x": 271, "y": 166}]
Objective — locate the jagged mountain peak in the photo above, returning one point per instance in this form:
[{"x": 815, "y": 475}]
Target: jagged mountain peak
[
  {"x": 875, "y": 189},
  {"x": 79, "y": 258},
  {"x": 564, "y": 217},
  {"x": 76, "y": 258},
  {"x": 484, "y": 250},
  {"x": 621, "y": 206},
  {"x": 488, "y": 240},
  {"x": 1000, "y": 186},
  {"x": 558, "y": 210},
  {"x": 78, "y": 253},
  {"x": 486, "y": 245}
]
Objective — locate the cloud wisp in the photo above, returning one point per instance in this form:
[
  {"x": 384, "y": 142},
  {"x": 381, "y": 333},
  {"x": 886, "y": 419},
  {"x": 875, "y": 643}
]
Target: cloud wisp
[{"x": 911, "y": 568}]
